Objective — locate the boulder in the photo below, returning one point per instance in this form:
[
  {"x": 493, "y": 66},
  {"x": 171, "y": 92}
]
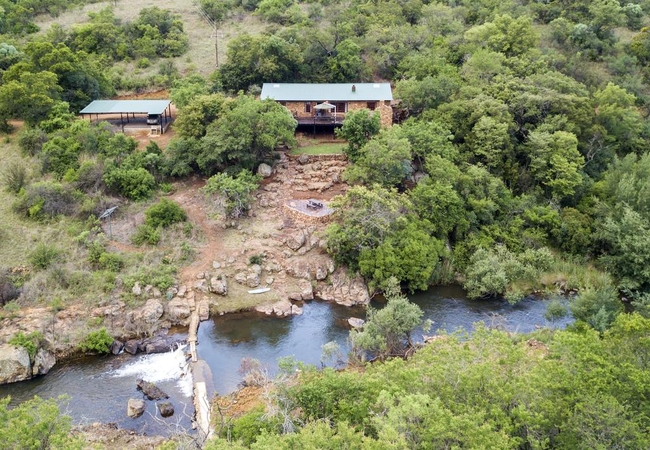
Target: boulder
[
  {"x": 355, "y": 322},
  {"x": 150, "y": 390},
  {"x": 43, "y": 362},
  {"x": 152, "y": 311},
  {"x": 14, "y": 364},
  {"x": 132, "y": 346},
  {"x": 303, "y": 159},
  {"x": 116, "y": 347},
  {"x": 295, "y": 240},
  {"x": 178, "y": 311},
  {"x": 156, "y": 345},
  {"x": 240, "y": 277},
  {"x": 219, "y": 285},
  {"x": 253, "y": 280},
  {"x": 166, "y": 409},
  {"x": 137, "y": 290},
  {"x": 264, "y": 170},
  {"x": 135, "y": 408},
  {"x": 202, "y": 286}
]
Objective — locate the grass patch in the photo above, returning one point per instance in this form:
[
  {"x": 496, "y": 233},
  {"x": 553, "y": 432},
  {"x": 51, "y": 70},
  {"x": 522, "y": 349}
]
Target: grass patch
[{"x": 332, "y": 148}]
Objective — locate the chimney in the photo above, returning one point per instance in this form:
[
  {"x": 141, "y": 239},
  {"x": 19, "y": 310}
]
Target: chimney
[{"x": 354, "y": 88}]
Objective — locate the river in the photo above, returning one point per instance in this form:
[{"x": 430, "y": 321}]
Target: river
[{"x": 98, "y": 388}]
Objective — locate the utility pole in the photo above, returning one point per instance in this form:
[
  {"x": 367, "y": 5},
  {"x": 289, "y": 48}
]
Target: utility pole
[{"x": 213, "y": 23}]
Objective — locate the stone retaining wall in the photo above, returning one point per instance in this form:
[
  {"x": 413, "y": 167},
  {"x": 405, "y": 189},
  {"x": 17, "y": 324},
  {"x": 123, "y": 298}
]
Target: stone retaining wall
[
  {"x": 305, "y": 218},
  {"x": 314, "y": 158}
]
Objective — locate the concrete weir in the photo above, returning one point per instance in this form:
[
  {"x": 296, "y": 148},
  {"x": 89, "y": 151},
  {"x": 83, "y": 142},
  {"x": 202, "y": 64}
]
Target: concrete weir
[{"x": 203, "y": 386}]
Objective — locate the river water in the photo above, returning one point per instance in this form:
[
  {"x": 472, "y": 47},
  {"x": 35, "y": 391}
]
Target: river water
[{"x": 98, "y": 388}]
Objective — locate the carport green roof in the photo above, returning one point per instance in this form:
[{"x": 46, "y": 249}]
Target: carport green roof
[
  {"x": 339, "y": 92},
  {"x": 126, "y": 106}
]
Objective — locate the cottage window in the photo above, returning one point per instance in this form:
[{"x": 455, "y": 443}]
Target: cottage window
[
  {"x": 341, "y": 107},
  {"x": 283, "y": 103},
  {"x": 308, "y": 107},
  {"x": 371, "y": 105}
]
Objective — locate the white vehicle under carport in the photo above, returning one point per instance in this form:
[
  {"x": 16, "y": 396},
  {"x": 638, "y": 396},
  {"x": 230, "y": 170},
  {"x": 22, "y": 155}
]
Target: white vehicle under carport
[{"x": 154, "y": 119}]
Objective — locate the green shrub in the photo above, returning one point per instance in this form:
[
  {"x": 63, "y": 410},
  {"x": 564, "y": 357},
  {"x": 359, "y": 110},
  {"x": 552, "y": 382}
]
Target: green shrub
[
  {"x": 14, "y": 177},
  {"x": 46, "y": 200},
  {"x": 97, "y": 341},
  {"x": 256, "y": 259},
  {"x": 31, "y": 341},
  {"x": 111, "y": 262},
  {"x": 146, "y": 234},
  {"x": 43, "y": 256},
  {"x": 164, "y": 213},
  {"x": 31, "y": 140},
  {"x": 134, "y": 184}
]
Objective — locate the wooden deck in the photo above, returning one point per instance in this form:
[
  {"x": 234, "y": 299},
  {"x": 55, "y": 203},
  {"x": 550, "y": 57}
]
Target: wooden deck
[{"x": 326, "y": 120}]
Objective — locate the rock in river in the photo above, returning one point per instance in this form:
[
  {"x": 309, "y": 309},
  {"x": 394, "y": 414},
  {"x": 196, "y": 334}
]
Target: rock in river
[
  {"x": 43, "y": 362},
  {"x": 135, "y": 408},
  {"x": 166, "y": 409},
  {"x": 152, "y": 391},
  {"x": 14, "y": 364}
]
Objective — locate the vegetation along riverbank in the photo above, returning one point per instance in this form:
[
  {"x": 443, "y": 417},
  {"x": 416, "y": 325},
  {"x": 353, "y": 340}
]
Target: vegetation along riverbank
[{"x": 499, "y": 146}]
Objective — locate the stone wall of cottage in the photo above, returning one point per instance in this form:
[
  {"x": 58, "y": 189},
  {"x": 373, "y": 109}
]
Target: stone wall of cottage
[{"x": 384, "y": 108}]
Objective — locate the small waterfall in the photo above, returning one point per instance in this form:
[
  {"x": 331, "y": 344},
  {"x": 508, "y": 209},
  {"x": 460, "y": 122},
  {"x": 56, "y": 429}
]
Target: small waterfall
[{"x": 160, "y": 367}]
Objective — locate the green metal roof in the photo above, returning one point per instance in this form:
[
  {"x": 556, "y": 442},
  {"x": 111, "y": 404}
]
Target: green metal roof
[
  {"x": 340, "y": 92},
  {"x": 126, "y": 106}
]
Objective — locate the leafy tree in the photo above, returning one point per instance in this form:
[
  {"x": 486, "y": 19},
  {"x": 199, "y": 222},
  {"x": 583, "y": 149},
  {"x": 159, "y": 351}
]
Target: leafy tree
[
  {"x": 30, "y": 96},
  {"x": 195, "y": 117},
  {"x": 36, "y": 424},
  {"x": 440, "y": 204},
  {"x": 555, "y": 162},
  {"x": 599, "y": 308},
  {"x": 358, "y": 128},
  {"x": 409, "y": 254},
  {"x": 387, "y": 331},
  {"x": 618, "y": 116},
  {"x": 235, "y": 192},
  {"x": 253, "y": 60},
  {"x": 492, "y": 272},
  {"x": 384, "y": 160},
  {"x": 246, "y": 135},
  {"x": 506, "y": 35},
  {"x": 365, "y": 217},
  {"x": 186, "y": 89}
]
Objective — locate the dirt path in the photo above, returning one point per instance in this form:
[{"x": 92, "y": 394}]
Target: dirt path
[{"x": 190, "y": 198}]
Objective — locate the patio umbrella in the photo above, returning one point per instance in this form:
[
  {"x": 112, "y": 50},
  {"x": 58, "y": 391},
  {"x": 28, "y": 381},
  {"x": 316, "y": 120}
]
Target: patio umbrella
[{"x": 324, "y": 105}]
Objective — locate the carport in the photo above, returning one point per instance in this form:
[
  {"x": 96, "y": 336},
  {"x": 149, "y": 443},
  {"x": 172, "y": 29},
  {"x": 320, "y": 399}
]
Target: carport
[{"x": 128, "y": 110}]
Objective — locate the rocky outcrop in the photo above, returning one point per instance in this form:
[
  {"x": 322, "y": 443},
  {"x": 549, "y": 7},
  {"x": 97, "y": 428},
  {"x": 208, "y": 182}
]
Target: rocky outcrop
[
  {"x": 14, "y": 364},
  {"x": 343, "y": 290},
  {"x": 150, "y": 390},
  {"x": 43, "y": 362},
  {"x": 303, "y": 291},
  {"x": 135, "y": 408},
  {"x": 166, "y": 409},
  {"x": 149, "y": 313},
  {"x": 283, "y": 308}
]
